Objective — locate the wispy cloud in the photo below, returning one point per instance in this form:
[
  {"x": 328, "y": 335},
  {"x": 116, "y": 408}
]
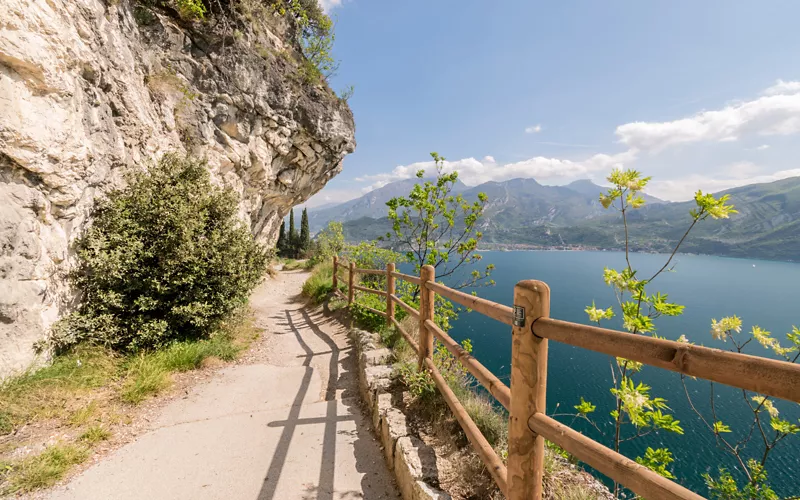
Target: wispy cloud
[
  {"x": 783, "y": 88},
  {"x": 777, "y": 112},
  {"x": 533, "y": 129}
]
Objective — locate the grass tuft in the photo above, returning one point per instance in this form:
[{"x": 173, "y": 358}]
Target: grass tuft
[
  {"x": 320, "y": 283},
  {"x": 95, "y": 434},
  {"x": 145, "y": 377},
  {"x": 149, "y": 373},
  {"x": 84, "y": 414},
  {"x": 43, "y": 470}
]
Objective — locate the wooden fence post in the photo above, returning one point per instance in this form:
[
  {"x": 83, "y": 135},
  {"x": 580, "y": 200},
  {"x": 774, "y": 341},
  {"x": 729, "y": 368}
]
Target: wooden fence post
[
  {"x": 528, "y": 391},
  {"x": 389, "y": 292},
  {"x": 335, "y": 269},
  {"x": 426, "y": 304},
  {"x": 350, "y": 282}
]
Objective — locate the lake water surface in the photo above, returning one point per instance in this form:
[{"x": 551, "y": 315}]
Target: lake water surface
[{"x": 760, "y": 292}]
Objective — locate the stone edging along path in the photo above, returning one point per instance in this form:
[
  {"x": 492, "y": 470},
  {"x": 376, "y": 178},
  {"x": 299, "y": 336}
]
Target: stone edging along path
[{"x": 412, "y": 461}]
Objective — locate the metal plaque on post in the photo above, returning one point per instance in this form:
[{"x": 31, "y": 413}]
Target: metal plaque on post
[{"x": 519, "y": 316}]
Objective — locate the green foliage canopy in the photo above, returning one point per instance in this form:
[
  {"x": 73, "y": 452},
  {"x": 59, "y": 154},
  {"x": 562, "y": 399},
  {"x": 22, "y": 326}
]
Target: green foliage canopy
[{"x": 165, "y": 259}]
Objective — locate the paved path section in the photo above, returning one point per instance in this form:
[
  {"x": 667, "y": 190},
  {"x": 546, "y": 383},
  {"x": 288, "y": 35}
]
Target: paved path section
[{"x": 287, "y": 426}]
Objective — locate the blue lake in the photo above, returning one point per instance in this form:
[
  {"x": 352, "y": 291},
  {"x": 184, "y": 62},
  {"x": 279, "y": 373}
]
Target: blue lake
[{"x": 760, "y": 292}]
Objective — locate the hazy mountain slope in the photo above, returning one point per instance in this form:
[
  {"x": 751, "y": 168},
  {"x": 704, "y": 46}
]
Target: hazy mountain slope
[
  {"x": 522, "y": 211},
  {"x": 589, "y": 188},
  {"x": 372, "y": 204}
]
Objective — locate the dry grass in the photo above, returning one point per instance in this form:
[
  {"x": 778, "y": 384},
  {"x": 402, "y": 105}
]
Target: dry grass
[
  {"x": 42, "y": 470},
  {"x": 56, "y": 391},
  {"x": 84, "y": 393}
]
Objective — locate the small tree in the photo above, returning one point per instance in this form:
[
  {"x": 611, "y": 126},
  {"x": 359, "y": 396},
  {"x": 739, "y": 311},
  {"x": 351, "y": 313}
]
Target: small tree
[
  {"x": 435, "y": 227},
  {"x": 165, "y": 259},
  {"x": 293, "y": 238},
  {"x": 635, "y": 408},
  {"x": 330, "y": 240},
  {"x": 304, "y": 242},
  {"x": 280, "y": 246}
]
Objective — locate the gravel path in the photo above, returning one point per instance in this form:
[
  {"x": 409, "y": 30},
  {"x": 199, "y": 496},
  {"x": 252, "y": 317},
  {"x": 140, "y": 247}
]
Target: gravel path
[{"x": 284, "y": 423}]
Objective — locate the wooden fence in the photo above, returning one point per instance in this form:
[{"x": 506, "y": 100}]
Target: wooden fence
[{"x": 529, "y": 426}]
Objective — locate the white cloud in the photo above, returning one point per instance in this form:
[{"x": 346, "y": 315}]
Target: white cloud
[
  {"x": 473, "y": 172},
  {"x": 684, "y": 188},
  {"x": 783, "y": 88},
  {"x": 489, "y": 159},
  {"x": 533, "y": 129},
  {"x": 762, "y": 147},
  {"x": 328, "y": 5},
  {"x": 776, "y": 113}
]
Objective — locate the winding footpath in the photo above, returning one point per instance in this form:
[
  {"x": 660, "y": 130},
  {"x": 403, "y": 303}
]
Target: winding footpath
[{"x": 284, "y": 423}]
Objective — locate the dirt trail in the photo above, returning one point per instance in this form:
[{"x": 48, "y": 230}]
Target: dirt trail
[{"x": 284, "y": 423}]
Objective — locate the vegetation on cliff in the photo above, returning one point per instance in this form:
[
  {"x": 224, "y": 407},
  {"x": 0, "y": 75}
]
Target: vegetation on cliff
[{"x": 165, "y": 259}]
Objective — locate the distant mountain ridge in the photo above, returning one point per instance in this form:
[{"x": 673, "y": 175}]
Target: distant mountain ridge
[
  {"x": 525, "y": 213},
  {"x": 372, "y": 204}
]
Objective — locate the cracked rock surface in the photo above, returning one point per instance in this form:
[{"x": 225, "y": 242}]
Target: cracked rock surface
[{"x": 91, "y": 89}]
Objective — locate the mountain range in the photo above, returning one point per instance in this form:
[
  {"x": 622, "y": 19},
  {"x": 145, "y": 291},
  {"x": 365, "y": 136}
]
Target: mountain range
[{"x": 521, "y": 213}]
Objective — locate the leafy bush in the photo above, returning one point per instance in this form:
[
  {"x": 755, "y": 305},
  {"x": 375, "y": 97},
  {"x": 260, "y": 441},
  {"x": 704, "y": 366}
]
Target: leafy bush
[
  {"x": 166, "y": 259},
  {"x": 419, "y": 382},
  {"x": 365, "y": 318},
  {"x": 329, "y": 241}
]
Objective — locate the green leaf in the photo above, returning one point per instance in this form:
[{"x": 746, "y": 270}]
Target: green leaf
[
  {"x": 657, "y": 460},
  {"x": 719, "y": 427},
  {"x": 585, "y": 407}
]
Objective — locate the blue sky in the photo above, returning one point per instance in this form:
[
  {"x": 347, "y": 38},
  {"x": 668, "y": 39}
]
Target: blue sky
[{"x": 697, "y": 94}]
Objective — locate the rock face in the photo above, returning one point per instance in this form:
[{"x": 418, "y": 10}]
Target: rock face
[{"x": 90, "y": 89}]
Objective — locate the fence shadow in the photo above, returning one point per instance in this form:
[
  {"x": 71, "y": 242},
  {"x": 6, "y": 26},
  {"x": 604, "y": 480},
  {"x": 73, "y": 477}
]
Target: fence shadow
[{"x": 342, "y": 380}]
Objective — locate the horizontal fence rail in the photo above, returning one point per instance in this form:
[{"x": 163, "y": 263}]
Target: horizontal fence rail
[
  {"x": 501, "y": 313},
  {"x": 496, "y": 388},
  {"x": 369, "y": 271},
  {"x": 522, "y": 479},
  {"x": 479, "y": 443},
  {"x": 407, "y": 308},
  {"x": 369, "y": 290},
  {"x": 638, "y": 478},
  {"x": 751, "y": 373},
  {"x": 407, "y": 277}
]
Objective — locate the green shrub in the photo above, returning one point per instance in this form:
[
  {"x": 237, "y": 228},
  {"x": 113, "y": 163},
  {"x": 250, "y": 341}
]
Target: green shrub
[
  {"x": 365, "y": 318},
  {"x": 419, "y": 382},
  {"x": 166, "y": 259}
]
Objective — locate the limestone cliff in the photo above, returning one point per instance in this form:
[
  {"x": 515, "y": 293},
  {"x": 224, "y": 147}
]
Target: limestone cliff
[{"x": 90, "y": 89}]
